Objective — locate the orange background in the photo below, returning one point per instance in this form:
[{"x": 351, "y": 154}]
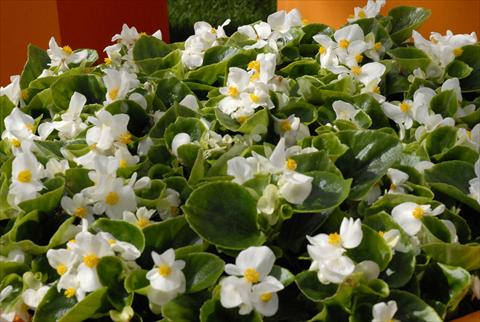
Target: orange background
[{"x": 35, "y": 21}]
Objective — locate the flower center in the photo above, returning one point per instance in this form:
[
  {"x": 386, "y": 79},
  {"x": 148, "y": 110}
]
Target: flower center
[
  {"x": 213, "y": 30},
  {"x": 265, "y": 297},
  {"x": 122, "y": 163},
  {"x": 113, "y": 93},
  {"x": 80, "y": 212},
  {"x": 16, "y": 142},
  {"x": 377, "y": 46},
  {"x": 24, "y": 93},
  {"x": 404, "y": 107},
  {"x": 469, "y": 134},
  {"x": 107, "y": 61},
  {"x": 143, "y": 222},
  {"x": 111, "y": 242},
  {"x": 291, "y": 164},
  {"x": 254, "y": 65},
  {"x": 322, "y": 50},
  {"x": 70, "y": 292},
  {"x": 232, "y": 91},
  {"x": 164, "y": 270},
  {"x": 343, "y": 43},
  {"x": 334, "y": 239},
  {"x": 112, "y": 198},
  {"x": 252, "y": 275},
  {"x": 356, "y": 70},
  {"x": 29, "y": 127},
  {"x": 254, "y": 77},
  {"x": 61, "y": 269},
  {"x": 418, "y": 212},
  {"x": 254, "y": 98},
  {"x": 376, "y": 90},
  {"x": 67, "y": 49},
  {"x": 285, "y": 126},
  {"x": 393, "y": 187},
  {"x": 458, "y": 51},
  {"x": 358, "y": 58},
  {"x": 24, "y": 176},
  {"x": 362, "y": 14},
  {"x": 242, "y": 118},
  {"x": 175, "y": 211},
  {"x": 125, "y": 138},
  {"x": 91, "y": 260},
  {"x": 381, "y": 233}
]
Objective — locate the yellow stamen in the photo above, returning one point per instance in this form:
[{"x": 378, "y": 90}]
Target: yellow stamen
[
  {"x": 125, "y": 138},
  {"x": 362, "y": 14},
  {"x": 251, "y": 275},
  {"x": 30, "y": 127},
  {"x": 70, "y": 292},
  {"x": 358, "y": 58},
  {"x": 254, "y": 98},
  {"x": 265, "y": 297},
  {"x": 164, "y": 270},
  {"x": 93, "y": 146},
  {"x": 291, "y": 164},
  {"x": 15, "y": 142},
  {"x": 232, "y": 91},
  {"x": 322, "y": 50},
  {"x": 111, "y": 242},
  {"x": 143, "y": 222},
  {"x": 334, "y": 239},
  {"x": 91, "y": 260},
  {"x": 24, "y": 94},
  {"x": 61, "y": 269},
  {"x": 343, "y": 43},
  {"x": 213, "y": 30},
  {"x": 285, "y": 126},
  {"x": 418, "y": 212},
  {"x": 254, "y": 77},
  {"x": 143, "y": 33},
  {"x": 107, "y": 61},
  {"x": 382, "y": 234},
  {"x": 242, "y": 118},
  {"x": 377, "y": 46},
  {"x": 122, "y": 164},
  {"x": 356, "y": 70},
  {"x": 405, "y": 107},
  {"x": 112, "y": 198},
  {"x": 376, "y": 90},
  {"x": 393, "y": 187},
  {"x": 254, "y": 65},
  {"x": 469, "y": 134},
  {"x": 24, "y": 176},
  {"x": 67, "y": 49},
  {"x": 80, "y": 212},
  {"x": 113, "y": 93},
  {"x": 458, "y": 52}
]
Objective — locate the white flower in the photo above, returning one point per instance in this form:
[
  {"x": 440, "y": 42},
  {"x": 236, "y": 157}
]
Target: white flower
[
  {"x": 71, "y": 124},
  {"x": 91, "y": 248},
  {"x": 19, "y": 127},
  {"x": 179, "y": 140},
  {"x": 125, "y": 158},
  {"x": 294, "y": 187},
  {"x": 264, "y": 296},
  {"x": 62, "y": 260},
  {"x": 167, "y": 275},
  {"x": 128, "y": 36},
  {"x": 292, "y": 129},
  {"x": 72, "y": 286},
  {"x": 237, "y": 82},
  {"x": 369, "y": 269},
  {"x": 33, "y": 297},
  {"x": 113, "y": 197},
  {"x": 391, "y": 237},
  {"x": 261, "y": 33},
  {"x": 118, "y": 84},
  {"x": 267, "y": 203},
  {"x": 192, "y": 56},
  {"x": 409, "y": 214},
  {"x": 54, "y": 166},
  {"x": 384, "y": 312},
  {"x": 12, "y": 90},
  {"x": 114, "y": 54},
  {"x": 26, "y": 175},
  {"x": 241, "y": 169},
  {"x": 344, "y": 111},
  {"x": 371, "y": 10},
  {"x": 108, "y": 129},
  {"x": 63, "y": 56},
  {"x": 281, "y": 22},
  {"x": 397, "y": 179},
  {"x": 475, "y": 183},
  {"x": 141, "y": 218},
  {"x": 369, "y": 74},
  {"x": 15, "y": 255},
  {"x": 126, "y": 250},
  {"x": 253, "y": 263},
  {"x": 235, "y": 292},
  {"x": 333, "y": 270},
  {"x": 168, "y": 205},
  {"x": 190, "y": 101},
  {"x": 350, "y": 44}
]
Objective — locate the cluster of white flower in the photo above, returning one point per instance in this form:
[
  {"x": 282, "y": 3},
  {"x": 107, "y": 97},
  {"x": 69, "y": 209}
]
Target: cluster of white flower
[
  {"x": 77, "y": 264},
  {"x": 371, "y": 10},
  {"x": 250, "y": 287}
]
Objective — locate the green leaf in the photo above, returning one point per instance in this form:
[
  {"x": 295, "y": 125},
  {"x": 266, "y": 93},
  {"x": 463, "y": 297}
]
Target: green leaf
[
  {"x": 283, "y": 275},
  {"x": 471, "y": 57},
  {"x": 404, "y": 20},
  {"x": 410, "y": 58},
  {"x": 48, "y": 200},
  {"x": 256, "y": 124},
  {"x": 110, "y": 269},
  {"x": 213, "y": 311},
  {"x": 370, "y": 155},
  {"x": 122, "y": 231},
  {"x": 458, "y": 69},
  {"x": 93, "y": 303},
  {"x": 137, "y": 281},
  {"x": 201, "y": 271},
  {"x": 445, "y": 103},
  {"x": 372, "y": 247},
  {"x": 412, "y": 308},
  {"x": 225, "y": 214},
  {"x": 300, "y": 67},
  {"x": 328, "y": 191},
  {"x": 139, "y": 122},
  {"x": 76, "y": 179},
  {"x": 37, "y": 61},
  {"x": 89, "y": 85},
  {"x": 441, "y": 140},
  {"x": 149, "y": 47},
  {"x": 184, "y": 308},
  {"x": 465, "y": 256},
  {"x": 311, "y": 287},
  {"x": 170, "y": 90},
  {"x": 6, "y": 107}
]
